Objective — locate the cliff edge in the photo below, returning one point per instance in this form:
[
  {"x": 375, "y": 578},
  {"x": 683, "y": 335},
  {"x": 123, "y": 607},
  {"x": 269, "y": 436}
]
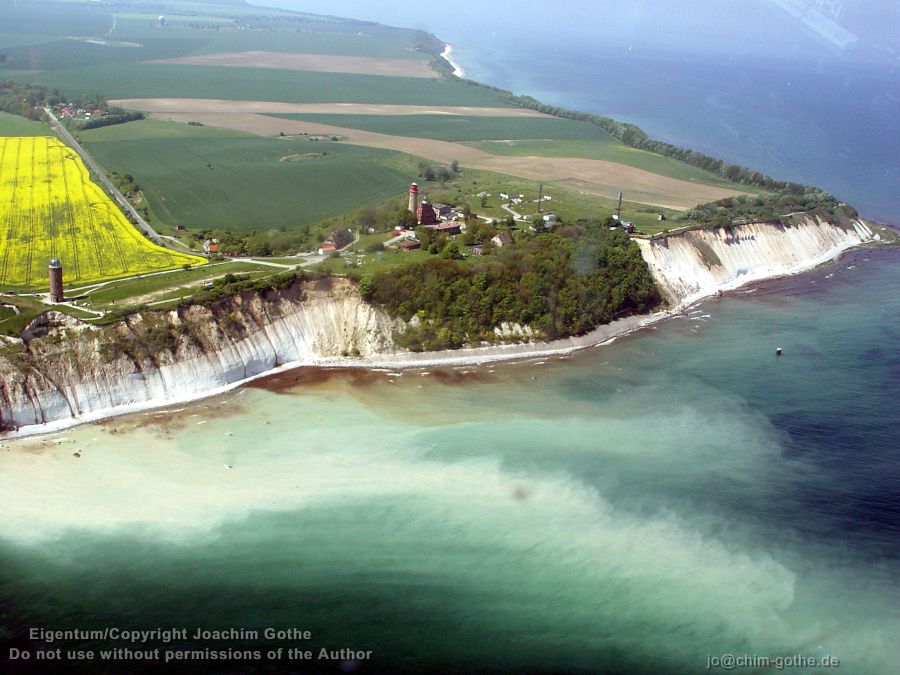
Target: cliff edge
[
  {"x": 64, "y": 371},
  {"x": 699, "y": 263}
]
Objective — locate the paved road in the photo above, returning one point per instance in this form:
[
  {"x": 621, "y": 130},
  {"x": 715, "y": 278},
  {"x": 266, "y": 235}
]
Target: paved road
[
  {"x": 509, "y": 209},
  {"x": 301, "y": 262},
  {"x": 124, "y": 203}
]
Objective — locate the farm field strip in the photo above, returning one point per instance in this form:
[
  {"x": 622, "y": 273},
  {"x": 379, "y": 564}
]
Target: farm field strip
[
  {"x": 323, "y": 63},
  {"x": 49, "y": 208},
  {"x": 210, "y": 105}
]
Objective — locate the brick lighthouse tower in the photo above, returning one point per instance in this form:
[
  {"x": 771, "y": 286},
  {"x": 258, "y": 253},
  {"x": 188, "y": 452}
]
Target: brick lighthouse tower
[
  {"x": 56, "y": 281},
  {"x": 414, "y": 198}
]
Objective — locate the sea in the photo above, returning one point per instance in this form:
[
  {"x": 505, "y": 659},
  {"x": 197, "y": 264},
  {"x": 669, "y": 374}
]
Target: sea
[
  {"x": 828, "y": 122},
  {"x": 682, "y": 500}
]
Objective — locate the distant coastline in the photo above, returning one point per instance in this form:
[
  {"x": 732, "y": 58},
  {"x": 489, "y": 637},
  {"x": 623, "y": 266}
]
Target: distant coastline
[{"x": 447, "y": 55}]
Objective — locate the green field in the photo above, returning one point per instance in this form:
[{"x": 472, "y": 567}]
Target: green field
[
  {"x": 12, "y": 323},
  {"x": 460, "y": 128},
  {"x": 148, "y": 80},
  {"x": 39, "y": 24},
  {"x": 36, "y": 41},
  {"x": 210, "y": 178},
  {"x": 41, "y": 53},
  {"x": 15, "y": 125},
  {"x": 159, "y": 286}
]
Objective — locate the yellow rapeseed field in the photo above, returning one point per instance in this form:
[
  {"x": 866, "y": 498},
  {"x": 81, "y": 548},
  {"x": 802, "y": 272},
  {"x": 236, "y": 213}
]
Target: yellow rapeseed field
[{"x": 49, "y": 208}]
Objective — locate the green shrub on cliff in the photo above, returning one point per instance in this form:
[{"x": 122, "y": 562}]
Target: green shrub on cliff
[{"x": 559, "y": 284}]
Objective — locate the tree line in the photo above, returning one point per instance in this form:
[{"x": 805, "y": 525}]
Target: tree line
[
  {"x": 635, "y": 137},
  {"x": 768, "y": 208},
  {"x": 22, "y": 99}
]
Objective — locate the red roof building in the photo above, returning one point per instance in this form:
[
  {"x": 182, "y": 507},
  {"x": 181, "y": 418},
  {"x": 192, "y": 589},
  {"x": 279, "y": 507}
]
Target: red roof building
[{"x": 426, "y": 214}]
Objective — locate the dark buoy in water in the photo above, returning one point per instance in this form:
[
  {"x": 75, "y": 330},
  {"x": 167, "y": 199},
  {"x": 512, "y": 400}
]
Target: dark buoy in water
[{"x": 777, "y": 351}]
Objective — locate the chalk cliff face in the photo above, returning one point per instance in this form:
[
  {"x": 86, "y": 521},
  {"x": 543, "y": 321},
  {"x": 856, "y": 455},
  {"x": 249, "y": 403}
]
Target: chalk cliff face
[
  {"x": 698, "y": 263},
  {"x": 183, "y": 354},
  {"x": 65, "y": 370}
]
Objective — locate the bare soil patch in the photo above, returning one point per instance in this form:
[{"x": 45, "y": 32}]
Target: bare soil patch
[
  {"x": 606, "y": 179},
  {"x": 205, "y": 105},
  {"x": 325, "y": 63}
]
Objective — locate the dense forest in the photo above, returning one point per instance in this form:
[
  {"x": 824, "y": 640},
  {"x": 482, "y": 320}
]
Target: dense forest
[{"x": 559, "y": 284}]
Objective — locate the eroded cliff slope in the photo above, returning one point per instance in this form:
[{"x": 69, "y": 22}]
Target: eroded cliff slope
[
  {"x": 698, "y": 263},
  {"x": 72, "y": 370}
]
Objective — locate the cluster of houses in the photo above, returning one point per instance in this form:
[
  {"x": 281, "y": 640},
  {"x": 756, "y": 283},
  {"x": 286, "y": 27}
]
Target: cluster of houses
[
  {"x": 441, "y": 218},
  {"x": 429, "y": 214},
  {"x": 410, "y": 243},
  {"x": 72, "y": 112}
]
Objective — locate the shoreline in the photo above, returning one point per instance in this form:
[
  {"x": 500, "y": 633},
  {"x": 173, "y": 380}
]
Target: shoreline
[
  {"x": 467, "y": 356},
  {"x": 447, "y": 55}
]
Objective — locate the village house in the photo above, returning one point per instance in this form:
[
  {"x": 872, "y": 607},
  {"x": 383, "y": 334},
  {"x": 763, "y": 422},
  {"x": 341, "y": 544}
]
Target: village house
[
  {"x": 410, "y": 244},
  {"x": 446, "y": 228},
  {"x": 502, "y": 239},
  {"x": 442, "y": 211}
]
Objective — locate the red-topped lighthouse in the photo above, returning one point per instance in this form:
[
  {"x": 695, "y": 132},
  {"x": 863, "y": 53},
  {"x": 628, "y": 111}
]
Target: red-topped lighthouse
[{"x": 414, "y": 198}]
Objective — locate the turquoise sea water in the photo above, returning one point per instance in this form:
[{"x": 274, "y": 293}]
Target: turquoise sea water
[{"x": 679, "y": 495}]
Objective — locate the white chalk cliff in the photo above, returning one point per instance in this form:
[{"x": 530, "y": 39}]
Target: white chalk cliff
[
  {"x": 67, "y": 371},
  {"x": 184, "y": 354},
  {"x": 698, "y": 263}
]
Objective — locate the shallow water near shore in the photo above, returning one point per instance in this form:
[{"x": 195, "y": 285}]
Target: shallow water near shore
[{"x": 677, "y": 495}]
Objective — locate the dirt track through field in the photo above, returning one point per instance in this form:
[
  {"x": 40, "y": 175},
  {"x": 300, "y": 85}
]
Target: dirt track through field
[
  {"x": 323, "y": 63},
  {"x": 213, "y": 105},
  {"x": 591, "y": 176}
]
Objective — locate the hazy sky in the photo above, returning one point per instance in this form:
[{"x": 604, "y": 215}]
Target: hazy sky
[{"x": 811, "y": 29}]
